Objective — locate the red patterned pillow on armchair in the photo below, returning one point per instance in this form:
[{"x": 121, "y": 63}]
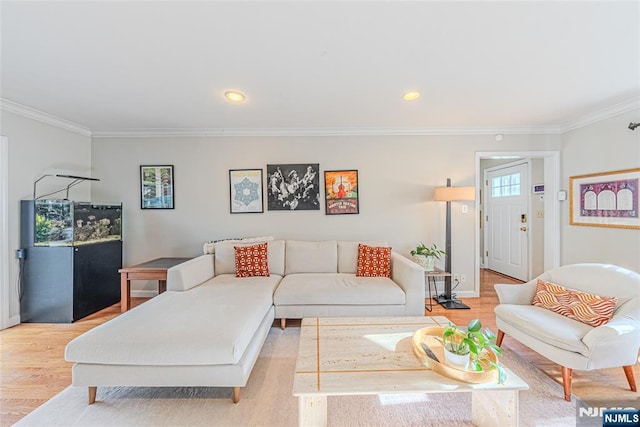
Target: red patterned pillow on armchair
[{"x": 587, "y": 308}]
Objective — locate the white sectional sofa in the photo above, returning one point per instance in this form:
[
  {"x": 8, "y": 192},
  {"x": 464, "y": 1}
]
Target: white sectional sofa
[{"x": 209, "y": 327}]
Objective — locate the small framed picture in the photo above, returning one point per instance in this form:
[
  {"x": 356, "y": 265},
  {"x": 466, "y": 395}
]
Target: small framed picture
[
  {"x": 245, "y": 189},
  {"x": 156, "y": 187},
  {"x": 293, "y": 187},
  {"x": 607, "y": 199},
  {"x": 341, "y": 192}
]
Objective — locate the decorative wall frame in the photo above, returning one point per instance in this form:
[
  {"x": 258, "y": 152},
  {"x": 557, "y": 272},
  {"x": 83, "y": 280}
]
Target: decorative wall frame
[
  {"x": 607, "y": 199},
  {"x": 156, "y": 187},
  {"x": 341, "y": 192},
  {"x": 293, "y": 187},
  {"x": 245, "y": 191}
]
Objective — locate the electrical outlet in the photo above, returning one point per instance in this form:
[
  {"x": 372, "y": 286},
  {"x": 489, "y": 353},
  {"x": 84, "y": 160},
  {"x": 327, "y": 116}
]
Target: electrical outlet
[
  {"x": 456, "y": 278},
  {"x": 463, "y": 278},
  {"x": 465, "y": 208}
]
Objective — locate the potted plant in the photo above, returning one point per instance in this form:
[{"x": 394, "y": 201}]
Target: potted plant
[
  {"x": 425, "y": 256},
  {"x": 473, "y": 346}
]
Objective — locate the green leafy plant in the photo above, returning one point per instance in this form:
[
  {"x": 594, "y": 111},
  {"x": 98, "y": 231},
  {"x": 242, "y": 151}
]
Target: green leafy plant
[
  {"x": 477, "y": 343},
  {"x": 433, "y": 251}
]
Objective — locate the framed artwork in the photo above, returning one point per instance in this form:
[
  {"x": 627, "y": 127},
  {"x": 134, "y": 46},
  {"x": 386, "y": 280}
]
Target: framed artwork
[
  {"x": 156, "y": 187},
  {"x": 293, "y": 187},
  {"x": 245, "y": 189},
  {"x": 341, "y": 192},
  {"x": 607, "y": 199}
]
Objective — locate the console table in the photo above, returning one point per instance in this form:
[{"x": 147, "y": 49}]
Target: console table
[{"x": 156, "y": 269}]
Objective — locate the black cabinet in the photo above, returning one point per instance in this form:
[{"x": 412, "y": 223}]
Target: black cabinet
[{"x": 63, "y": 283}]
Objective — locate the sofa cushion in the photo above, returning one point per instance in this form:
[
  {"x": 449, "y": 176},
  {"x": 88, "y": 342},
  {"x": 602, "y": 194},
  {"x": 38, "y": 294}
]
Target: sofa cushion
[
  {"x": 311, "y": 257},
  {"x": 210, "y": 324},
  {"x": 545, "y": 325},
  {"x": 584, "y": 307},
  {"x": 252, "y": 260},
  {"x": 373, "y": 261},
  {"x": 338, "y": 289},
  {"x": 348, "y": 254},
  {"x": 225, "y": 257}
]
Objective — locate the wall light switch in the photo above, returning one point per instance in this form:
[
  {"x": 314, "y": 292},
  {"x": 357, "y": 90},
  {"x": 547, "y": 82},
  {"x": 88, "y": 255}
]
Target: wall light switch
[{"x": 465, "y": 208}]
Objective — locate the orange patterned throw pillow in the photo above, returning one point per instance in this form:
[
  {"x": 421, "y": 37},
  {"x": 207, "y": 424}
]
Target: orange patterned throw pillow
[
  {"x": 373, "y": 261},
  {"x": 252, "y": 260},
  {"x": 587, "y": 308}
]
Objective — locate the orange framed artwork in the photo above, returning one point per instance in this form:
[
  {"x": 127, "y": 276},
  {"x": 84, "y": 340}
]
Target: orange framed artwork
[{"x": 341, "y": 192}]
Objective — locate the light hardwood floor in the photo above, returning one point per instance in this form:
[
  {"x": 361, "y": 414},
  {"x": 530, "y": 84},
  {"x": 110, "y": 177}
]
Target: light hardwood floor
[{"x": 33, "y": 369}]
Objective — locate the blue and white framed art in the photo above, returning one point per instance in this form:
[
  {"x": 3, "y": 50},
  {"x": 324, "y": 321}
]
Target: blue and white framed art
[{"x": 245, "y": 186}]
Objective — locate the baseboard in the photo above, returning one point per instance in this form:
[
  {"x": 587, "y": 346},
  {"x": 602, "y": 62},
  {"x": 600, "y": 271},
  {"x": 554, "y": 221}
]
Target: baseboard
[{"x": 143, "y": 294}]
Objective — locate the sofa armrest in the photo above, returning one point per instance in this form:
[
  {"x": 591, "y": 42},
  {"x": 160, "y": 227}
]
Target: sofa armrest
[
  {"x": 410, "y": 277},
  {"x": 185, "y": 276},
  {"x": 624, "y": 324},
  {"x": 516, "y": 294}
]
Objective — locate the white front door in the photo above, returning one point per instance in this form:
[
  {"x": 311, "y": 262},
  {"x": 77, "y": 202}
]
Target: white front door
[{"x": 507, "y": 220}]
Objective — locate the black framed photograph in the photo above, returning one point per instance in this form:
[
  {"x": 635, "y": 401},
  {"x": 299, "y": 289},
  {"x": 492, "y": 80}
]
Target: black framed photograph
[
  {"x": 156, "y": 187},
  {"x": 245, "y": 190},
  {"x": 341, "y": 192},
  {"x": 293, "y": 187}
]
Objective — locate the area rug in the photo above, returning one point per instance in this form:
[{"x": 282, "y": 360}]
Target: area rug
[{"x": 267, "y": 401}]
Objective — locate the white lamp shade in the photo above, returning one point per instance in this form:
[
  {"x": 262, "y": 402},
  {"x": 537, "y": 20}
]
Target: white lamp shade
[{"x": 452, "y": 194}]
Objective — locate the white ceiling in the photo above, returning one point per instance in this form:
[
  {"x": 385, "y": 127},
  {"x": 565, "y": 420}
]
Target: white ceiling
[{"x": 320, "y": 66}]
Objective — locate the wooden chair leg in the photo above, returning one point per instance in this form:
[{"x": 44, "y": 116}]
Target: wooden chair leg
[
  {"x": 628, "y": 371},
  {"x": 283, "y": 323},
  {"x": 499, "y": 338},
  {"x": 92, "y": 395},
  {"x": 566, "y": 382},
  {"x": 236, "y": 394}
]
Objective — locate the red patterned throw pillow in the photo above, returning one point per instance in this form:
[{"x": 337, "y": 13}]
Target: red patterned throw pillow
[
  {"x": 252, "y": 260},
  {"x": 587, "y": 308},
  {"x": 373, "y": 261}
]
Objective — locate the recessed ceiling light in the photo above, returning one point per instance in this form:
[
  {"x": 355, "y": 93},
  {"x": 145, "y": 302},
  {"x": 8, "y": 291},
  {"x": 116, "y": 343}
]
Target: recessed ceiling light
[
  {"x": 234, "y": 96},
  {"x": 411, "y": 95}
]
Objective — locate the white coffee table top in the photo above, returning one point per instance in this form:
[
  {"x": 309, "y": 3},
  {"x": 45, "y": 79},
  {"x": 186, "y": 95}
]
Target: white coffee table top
[{"x": 372, "y": 355}]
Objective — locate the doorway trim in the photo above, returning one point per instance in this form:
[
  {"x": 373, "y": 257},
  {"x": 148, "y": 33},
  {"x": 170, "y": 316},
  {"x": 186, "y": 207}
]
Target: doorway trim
[
  {"x": 551, "y": 205},
  {"x": 4, "y": 241}
]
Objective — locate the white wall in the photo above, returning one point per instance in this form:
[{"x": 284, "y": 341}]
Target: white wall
[
  {"x": 600, "y": 147},
  {"x": 36, "y": 148},
  {"x": 396, "y": 176}
]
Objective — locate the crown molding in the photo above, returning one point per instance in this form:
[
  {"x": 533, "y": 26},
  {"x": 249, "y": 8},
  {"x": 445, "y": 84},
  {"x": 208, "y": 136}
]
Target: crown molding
[
  {"x": 611, "y": 111},
  {"x": 213, "y": 132},
  {"x": 32, "y": 113}
]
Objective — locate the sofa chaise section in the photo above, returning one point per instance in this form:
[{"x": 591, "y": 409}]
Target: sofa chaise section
[{"x": 195, "y": 334}]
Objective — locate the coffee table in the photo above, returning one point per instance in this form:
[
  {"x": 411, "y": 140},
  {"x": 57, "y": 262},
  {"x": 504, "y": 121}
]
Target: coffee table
[{"x": 360, "y": 356}]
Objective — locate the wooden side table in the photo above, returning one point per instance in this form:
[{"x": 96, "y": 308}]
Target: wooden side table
[
  {"x": 155, "y": 269},
  {"x": 431, "y": 277}
]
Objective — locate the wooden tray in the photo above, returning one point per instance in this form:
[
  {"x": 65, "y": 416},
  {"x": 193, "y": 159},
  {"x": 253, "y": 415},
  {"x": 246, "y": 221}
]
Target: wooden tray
[{"x": 428, "y": 336}]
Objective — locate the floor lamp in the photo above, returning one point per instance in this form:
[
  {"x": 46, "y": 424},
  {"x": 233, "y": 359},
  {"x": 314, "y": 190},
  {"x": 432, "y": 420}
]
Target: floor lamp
[{"x": 451, "y": 194}]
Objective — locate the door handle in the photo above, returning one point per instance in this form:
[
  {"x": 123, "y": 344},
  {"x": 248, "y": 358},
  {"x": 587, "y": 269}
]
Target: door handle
[{"x": 523, "y": 228}]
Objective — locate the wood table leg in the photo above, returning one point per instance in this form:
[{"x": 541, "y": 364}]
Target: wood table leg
[
  {"x": 312, "y": 411},
  {"x": 125, "y": 292},
  {"x": 162, "y": 286},
  {"x": 494, "y": 408}
]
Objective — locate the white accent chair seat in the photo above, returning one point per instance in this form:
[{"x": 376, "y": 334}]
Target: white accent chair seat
[{"x": 572, "y": 344}]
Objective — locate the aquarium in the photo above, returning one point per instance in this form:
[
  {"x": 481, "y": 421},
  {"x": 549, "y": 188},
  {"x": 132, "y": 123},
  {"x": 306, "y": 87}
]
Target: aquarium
[{"x": 69, "y": 223}]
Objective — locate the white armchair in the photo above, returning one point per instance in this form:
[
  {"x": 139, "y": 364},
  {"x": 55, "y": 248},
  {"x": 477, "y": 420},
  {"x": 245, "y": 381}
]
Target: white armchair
[{"x": 572, "y": 344}]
